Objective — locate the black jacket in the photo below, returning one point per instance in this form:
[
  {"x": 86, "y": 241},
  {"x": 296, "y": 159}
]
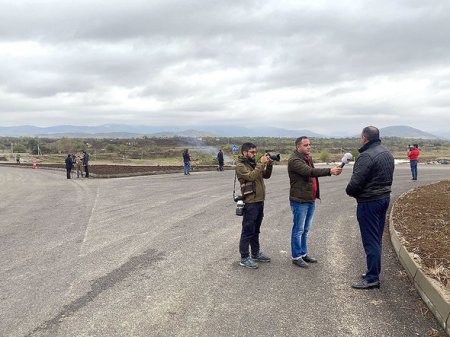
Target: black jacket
[
  {"x": 69, "y": 162},
  {"x": 372, "y": 174},
  {"x": 220, "y": 158},
  {"x": 86, "y": 159},
  {"x": 186, "y": 157}
]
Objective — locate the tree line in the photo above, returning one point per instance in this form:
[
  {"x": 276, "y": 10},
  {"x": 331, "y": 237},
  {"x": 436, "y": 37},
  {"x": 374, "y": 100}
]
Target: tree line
[{"x": 324, "y": 149}]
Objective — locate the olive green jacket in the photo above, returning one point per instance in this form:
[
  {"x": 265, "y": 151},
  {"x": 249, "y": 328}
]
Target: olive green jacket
[
  {"x": 246, "y": 174},
  {"x": 300, "y": 176}
]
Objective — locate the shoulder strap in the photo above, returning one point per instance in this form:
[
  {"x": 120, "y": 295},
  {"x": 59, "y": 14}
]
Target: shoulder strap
[{"x": 234, "y": 186}]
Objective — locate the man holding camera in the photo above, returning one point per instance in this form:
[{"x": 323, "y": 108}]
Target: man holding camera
[
  {"x": 251, "y": 175},
  {"x": 413, "y": 154},
  {"x": 304, "y": 191}
]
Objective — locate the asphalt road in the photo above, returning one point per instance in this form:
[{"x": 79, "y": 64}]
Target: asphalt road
[{"x": 158, "y": 256}]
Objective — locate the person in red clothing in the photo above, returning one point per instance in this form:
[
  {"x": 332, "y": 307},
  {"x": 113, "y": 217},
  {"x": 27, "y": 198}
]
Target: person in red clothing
[{"x": 413, "y": 154}]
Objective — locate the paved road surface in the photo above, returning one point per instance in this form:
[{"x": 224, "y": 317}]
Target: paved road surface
[{"x": 158, "y": 256}]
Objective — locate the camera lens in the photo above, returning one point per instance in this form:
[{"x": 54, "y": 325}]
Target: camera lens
[{"x": 274, "y": 156}]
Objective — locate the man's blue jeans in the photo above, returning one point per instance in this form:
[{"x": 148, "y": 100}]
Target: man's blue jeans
[
  {"x": 303, "y": 213},
  {"x": 187, "y": 167},
  {"x": 371, "y": 216},
  {"x": 413, "y": 164}
]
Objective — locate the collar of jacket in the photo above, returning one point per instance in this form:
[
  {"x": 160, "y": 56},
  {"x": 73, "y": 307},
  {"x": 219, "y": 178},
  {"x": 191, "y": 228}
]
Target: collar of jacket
[
  {"x": 369, "y": 144},
  {"x": 245, "y": 160},
  {"x": 302, "y": 155}
]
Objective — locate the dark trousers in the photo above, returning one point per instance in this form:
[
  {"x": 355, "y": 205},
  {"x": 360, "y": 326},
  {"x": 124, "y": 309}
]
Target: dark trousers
[
  {"x": 371, "y": 217},
  {"x": 86, "y": 170},
  {"x": 251, "y": 224},
  {"x": 68, "y": 172}
]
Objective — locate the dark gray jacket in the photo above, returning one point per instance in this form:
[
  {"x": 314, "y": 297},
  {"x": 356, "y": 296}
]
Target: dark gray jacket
[
  {"x": 85, "y": 159},
  {"x": 372, "y": 174},
  {"x": 69, "y": 162}
]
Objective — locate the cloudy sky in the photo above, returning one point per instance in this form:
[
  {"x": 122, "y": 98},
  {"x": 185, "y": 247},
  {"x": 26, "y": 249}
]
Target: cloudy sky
[{"x": 326, "y": 66}]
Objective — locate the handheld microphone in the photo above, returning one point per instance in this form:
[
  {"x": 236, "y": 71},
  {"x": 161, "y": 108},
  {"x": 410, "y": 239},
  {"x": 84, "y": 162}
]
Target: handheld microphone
[{"x": 345, "y": 159}]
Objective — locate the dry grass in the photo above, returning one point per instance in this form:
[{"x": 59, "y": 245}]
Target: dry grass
[
  {"x": 440, "y": 273},
  {"x": 433, "y": 333},
  {"x": 422, "y": 217}
]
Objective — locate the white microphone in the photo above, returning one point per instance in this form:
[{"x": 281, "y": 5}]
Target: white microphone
[{"x": 345, "y": 159}]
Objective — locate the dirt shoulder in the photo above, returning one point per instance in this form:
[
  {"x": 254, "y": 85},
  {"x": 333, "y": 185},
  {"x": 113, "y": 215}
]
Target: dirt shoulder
[{"x": 422, "y": 218}]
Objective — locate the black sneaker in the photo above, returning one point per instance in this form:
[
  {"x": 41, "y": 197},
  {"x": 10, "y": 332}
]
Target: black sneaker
[
  {"x": 363, "y": 284},
  {"x": 300, "y": 263},
  {"x": 260, "y": 257},
  {"x": 309, "y": 259}
]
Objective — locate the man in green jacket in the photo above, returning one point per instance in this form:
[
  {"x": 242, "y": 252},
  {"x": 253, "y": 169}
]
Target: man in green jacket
[
  {"x": 251, "y": 177},
  {"x": 303, "y": 193}
]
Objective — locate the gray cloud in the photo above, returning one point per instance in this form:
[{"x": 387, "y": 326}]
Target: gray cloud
[{"x": 203, "y": 62}]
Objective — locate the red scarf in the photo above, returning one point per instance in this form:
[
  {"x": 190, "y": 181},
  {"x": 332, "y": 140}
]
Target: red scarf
[{"x": 313, "y": 179}]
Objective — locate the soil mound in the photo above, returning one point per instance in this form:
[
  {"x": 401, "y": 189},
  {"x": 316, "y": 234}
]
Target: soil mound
[{"x": 422, "y": 217}]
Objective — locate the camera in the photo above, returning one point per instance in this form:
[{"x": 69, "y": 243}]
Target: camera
[
  {"x": 240, "y": 208},
  {"x": 273, "y": 156},
  {"x": 239, "y": 199}
]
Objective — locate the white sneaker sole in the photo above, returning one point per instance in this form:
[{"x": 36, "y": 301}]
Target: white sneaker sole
[{"x": 243, "y": 265}]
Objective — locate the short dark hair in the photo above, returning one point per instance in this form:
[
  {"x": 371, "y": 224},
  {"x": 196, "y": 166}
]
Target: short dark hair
[
  {"x": 416, "y": 145},
  {"x": 299, "y": 140},
  {"x": 247, "y": 146},
  {"x": 371, "y": 133}
]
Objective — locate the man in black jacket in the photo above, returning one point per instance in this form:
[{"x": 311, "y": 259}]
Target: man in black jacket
[
  {"x": 69, "y": 164},
  {"x": 220, "y": 160},
  {"x": 371, "y": 184}
]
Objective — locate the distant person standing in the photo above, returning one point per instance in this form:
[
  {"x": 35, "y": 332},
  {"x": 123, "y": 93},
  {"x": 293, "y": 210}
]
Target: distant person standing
[
  {"x": 220, "y": 160},
  {"x": 18, "y": 159},
  {"x": 79, "y": 166},
  {"x": 69, "y": 164},
  {"x": 413, "y": 154},
  {"x": 86, "y": 163},
  {"x": 370, "y": 185},
  {"x": 186, "y": 162}
]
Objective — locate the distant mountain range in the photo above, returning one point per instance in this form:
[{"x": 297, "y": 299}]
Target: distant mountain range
[
  {"x": 129, "y": 131},
  {"x": 403, "y": 131}
]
